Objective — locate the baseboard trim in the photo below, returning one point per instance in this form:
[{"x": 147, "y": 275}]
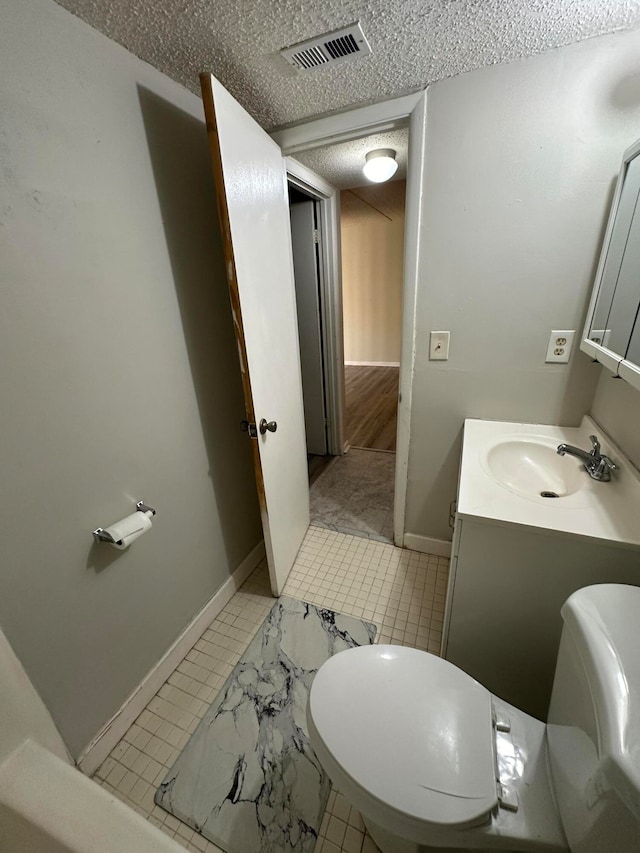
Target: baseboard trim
[
  {"x": 95, "y": 753},
  {"x": 426, "y": 545},
  {"x": 373, "y": 363}
]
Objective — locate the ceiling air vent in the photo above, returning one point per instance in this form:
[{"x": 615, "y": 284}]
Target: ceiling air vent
[{"x": 328, "y": 48}]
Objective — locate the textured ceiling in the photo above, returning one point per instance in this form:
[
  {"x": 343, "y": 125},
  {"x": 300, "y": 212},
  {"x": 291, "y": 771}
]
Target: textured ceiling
[
  {"x": 414, "y": 42},
  {"x": 342, "y": 164}
]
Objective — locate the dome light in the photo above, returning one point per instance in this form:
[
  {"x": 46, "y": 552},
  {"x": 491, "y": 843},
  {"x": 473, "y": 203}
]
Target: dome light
[{"x": 380, "y": 165}]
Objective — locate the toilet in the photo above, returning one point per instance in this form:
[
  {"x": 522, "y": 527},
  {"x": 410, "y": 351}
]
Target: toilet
[{"x": 434, "y": 761}]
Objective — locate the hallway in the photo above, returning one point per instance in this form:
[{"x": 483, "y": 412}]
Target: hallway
[
  {"x": 371, "y": 406},
  {"x": 354, "y": 493}
]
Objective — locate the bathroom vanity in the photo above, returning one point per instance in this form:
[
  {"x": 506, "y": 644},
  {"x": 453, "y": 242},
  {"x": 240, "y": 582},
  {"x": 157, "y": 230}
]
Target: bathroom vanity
[{"x": 517, "y": 555}]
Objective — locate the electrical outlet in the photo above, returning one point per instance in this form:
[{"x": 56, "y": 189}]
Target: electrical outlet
[
  {"x": 439, "y": 346},
  {"x": 560, "y": 345}
]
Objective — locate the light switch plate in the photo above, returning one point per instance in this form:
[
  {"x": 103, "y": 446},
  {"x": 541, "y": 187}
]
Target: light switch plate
[
  {"x": 439, "y": 346},
  {"x": 560, "y": 345}
]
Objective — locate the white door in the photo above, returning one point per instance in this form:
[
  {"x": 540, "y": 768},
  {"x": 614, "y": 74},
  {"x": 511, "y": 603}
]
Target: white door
[
  {"x": 251, "y": 189},
  {"x": 305, "y": 268}
]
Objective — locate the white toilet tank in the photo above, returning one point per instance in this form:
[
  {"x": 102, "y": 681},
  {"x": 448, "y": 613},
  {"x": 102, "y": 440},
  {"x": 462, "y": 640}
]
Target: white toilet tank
[{"x": 594, "y": 720}]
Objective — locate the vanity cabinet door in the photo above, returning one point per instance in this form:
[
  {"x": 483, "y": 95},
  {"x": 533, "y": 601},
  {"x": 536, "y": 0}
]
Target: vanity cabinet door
[
  {"x": 629, "y": 368},
  {"x": 504, "y": 622}
]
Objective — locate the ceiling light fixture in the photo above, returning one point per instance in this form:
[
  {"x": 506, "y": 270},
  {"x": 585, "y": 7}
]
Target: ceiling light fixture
[{"x": 380, "y": 165}]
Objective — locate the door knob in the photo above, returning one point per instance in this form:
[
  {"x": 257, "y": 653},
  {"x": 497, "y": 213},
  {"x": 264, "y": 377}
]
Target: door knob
[{"x": 272, "y": 426}]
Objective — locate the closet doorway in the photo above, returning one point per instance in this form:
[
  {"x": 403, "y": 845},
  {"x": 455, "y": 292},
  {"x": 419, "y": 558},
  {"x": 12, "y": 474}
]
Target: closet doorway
[{"x": 305, "y": 216}]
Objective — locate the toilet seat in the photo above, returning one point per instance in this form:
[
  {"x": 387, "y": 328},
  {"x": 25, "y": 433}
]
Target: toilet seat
[{"x": 424, "y": 756}]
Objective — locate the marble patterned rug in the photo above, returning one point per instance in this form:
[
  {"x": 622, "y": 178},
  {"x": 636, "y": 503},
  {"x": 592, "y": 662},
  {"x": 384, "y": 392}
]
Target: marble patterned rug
[{"x": 248, "y": 779}]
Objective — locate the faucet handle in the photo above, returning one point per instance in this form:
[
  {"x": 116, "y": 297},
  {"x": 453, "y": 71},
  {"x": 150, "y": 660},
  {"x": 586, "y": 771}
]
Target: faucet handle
[
  {"x": 595, "y": 445},
  {"x": 602, "y": 470}
]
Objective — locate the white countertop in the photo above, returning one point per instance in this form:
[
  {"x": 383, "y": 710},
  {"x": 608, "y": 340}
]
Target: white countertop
[{"x": 597, "y": 510}]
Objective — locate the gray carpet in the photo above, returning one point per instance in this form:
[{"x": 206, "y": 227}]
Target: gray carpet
[
  {"x": 248, "y": 779},
  {"x": 355, "y": 494}
]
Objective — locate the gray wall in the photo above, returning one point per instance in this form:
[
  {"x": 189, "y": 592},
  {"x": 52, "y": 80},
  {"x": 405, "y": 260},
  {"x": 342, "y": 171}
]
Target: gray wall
[
  {"x": 616, "y": 407},
  {"x": 521, "y": 162},
  {"x": 118, "y": 371}
]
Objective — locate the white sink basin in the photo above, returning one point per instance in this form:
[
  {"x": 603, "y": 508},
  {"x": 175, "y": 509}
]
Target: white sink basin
[
  {"x": 532, "y": 468},
  {"x": 506, "y": 467}
]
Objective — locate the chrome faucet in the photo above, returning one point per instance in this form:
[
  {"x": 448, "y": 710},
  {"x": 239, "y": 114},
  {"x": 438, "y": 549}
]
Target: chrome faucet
[{"x": 597, "y": 464}]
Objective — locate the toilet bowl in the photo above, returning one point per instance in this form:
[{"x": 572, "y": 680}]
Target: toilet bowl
[{"x": 434, "y": 761}]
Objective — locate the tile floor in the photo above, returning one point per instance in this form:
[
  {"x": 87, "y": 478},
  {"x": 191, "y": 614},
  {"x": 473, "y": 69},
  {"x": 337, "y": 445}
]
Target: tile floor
[{"x": 403, "y": 592}]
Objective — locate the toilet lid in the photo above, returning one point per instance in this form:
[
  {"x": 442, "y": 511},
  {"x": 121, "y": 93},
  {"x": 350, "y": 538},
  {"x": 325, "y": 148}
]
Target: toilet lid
[{"x": 411, "y": 730}]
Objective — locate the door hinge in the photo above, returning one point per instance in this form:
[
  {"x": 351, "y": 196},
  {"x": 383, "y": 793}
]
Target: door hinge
[
  {"x": 316, "y": 235},
  {"x": 452, "y": 514}
]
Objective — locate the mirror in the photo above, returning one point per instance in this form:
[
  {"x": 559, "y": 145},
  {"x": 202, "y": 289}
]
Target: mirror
[{"x": 612, "y": 331}]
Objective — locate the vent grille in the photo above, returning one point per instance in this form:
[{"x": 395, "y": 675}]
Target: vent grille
[
  {"x": 342, "y": 46},
  {"x": 328, "y": 48},
  {"x": 309, "y": 57}
]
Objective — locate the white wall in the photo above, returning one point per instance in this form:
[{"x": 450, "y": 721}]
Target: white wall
[
  {"x": 119, "y": 377},
  {"x": 521, "y": 162},
  {"x": 372, "y": 237}
]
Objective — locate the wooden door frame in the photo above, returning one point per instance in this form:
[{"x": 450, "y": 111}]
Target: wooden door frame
[{"x": 343, "y": 127}]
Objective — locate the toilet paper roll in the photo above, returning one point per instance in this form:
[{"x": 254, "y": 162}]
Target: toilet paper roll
[{"x": 129, "y": 529}]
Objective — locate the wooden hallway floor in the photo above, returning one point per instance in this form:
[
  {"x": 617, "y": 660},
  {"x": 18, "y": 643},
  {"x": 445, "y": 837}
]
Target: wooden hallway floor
[{"x": 371, "y": 406}]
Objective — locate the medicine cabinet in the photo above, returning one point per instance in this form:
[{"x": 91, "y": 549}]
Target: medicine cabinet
[{"x": 612, "y": 330}]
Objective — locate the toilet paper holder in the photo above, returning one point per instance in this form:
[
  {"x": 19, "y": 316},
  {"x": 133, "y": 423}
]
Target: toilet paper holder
[{"x": 101, "y": 535}]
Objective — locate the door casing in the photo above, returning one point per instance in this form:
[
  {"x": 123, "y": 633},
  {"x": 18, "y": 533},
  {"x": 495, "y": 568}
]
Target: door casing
[{"x": 343, "y": 127}]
